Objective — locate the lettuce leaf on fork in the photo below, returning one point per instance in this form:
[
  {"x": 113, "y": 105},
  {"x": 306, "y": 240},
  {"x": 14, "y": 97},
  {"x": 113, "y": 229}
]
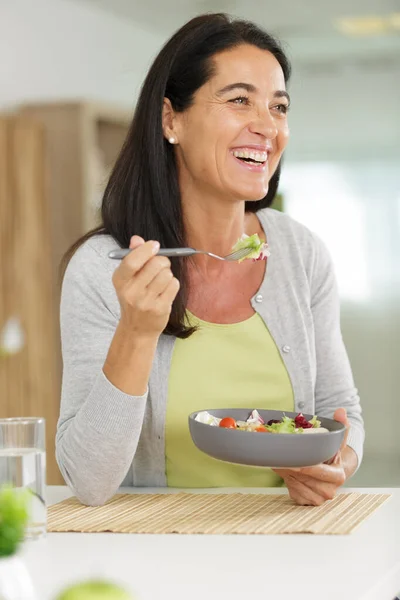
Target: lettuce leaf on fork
[{"x": 259, "y": 249}]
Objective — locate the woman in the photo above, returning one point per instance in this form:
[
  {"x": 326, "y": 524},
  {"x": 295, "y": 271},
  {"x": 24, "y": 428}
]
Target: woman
[{"x": 146, "y": 342}]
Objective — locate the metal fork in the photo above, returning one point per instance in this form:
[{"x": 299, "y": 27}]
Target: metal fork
[{"x": 176, "y": 252}]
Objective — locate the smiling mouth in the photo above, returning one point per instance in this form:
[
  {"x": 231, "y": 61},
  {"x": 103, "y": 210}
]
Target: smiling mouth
[{"x": 251, "y": 156}]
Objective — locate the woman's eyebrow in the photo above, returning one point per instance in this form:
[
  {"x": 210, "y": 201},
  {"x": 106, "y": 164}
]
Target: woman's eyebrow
[
  {"x": 249, "y": 87},
  {"x": 282, "y": 94}
]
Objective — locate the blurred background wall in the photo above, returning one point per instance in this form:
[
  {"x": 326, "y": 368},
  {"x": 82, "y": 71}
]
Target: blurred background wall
[
  {"x": 59, "y": 50},
  {"x": 75, "y": 67}
]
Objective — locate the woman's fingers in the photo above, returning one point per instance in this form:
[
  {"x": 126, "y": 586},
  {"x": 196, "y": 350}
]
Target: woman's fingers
[
  {"x": 314, "y": 485},
  {"x": 146, "y": 289},
  {"x": 333, "y": 473},
  {"x": 169, "y": 294},
  {"x": 159, "y": 283},
  {"x": 302, "y": 494},
  {"x": 135, "y": 261},
  {"x": 326, "y": 490},
  {"x": 301, "y": 500},
  {"x": 152, "y": 270},
  {"x": 135, "y": 241}
]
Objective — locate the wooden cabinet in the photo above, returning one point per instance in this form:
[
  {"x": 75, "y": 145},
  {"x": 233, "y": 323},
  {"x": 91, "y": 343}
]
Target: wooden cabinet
[
  {"x": 53, "y": 168},
  {"x": 82, "y": 143},
  {"x": 29, "y": 379}
]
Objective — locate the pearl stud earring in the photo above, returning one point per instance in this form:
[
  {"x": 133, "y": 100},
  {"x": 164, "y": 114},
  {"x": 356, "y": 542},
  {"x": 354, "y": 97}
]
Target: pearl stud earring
[{"x": 171, "y": 140}]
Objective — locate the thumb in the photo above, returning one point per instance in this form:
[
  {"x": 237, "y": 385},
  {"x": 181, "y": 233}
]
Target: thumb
[
  {"x": 135, "y": 242},
  {"x": 341, "y": 416}
]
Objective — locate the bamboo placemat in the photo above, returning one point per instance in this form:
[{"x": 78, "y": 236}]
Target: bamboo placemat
[{"x": 239, "y": 513}]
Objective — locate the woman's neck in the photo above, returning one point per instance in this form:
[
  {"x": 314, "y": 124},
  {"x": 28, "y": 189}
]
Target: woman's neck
[
  {"x": 214, "y": 230},
  {"x": 216, "y": 226}
]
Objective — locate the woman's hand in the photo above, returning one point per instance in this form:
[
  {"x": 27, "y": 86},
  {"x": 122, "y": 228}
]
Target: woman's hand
[
  {"x": 314, "y": 485},
  {"x": 146, "y": 289}
]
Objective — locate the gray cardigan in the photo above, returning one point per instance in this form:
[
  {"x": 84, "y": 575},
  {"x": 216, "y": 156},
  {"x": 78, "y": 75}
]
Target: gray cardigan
[{"x": 106, "y": 438}]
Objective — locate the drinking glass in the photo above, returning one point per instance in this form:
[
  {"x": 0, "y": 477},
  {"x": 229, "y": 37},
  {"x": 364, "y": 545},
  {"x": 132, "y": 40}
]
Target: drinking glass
[{"x": 23, "y": 466}]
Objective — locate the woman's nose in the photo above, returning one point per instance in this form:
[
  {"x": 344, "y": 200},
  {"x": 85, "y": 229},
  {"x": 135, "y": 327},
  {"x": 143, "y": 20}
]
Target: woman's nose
[{"x": 264, "y": 124}]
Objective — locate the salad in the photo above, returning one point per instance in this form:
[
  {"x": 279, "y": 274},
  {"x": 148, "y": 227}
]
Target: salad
[
  {"x": 256, "y": 423},
  {"x": 259, "y": 249}
]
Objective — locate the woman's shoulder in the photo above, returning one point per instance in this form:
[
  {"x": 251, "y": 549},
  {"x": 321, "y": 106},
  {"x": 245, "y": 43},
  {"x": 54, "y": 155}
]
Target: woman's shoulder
[
  {"x": 94, "y": 252},
  {"x": 89, "y": 272},
  {"x": 294, "y": 241},
  {"x": 287, "y": 228}
]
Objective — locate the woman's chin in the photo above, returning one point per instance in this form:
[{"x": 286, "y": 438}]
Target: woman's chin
[
  {"x": 251, "y": 195},
  {"x": 258, "y": 197}
]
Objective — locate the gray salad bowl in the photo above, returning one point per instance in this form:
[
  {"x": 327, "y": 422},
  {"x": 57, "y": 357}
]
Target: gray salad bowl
[{"x": 266, "y": 449}]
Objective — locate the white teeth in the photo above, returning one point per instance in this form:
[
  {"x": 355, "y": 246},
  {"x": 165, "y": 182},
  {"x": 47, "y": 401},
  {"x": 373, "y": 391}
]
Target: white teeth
[{"x": 260, "y": 157}]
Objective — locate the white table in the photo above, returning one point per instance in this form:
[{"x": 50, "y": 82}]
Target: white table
[{"x": 362, "y": 566}]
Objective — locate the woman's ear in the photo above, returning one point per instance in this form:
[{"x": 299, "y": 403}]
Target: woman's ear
[{"x": 168, "y": 122}]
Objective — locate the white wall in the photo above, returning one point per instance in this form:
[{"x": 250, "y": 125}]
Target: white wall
[
  {"x": 60, "y": 49},
  {"x": 345, "y": 113}
]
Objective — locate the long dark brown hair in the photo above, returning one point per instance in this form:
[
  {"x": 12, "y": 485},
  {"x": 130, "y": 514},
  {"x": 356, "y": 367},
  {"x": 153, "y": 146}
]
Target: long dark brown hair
[{"x": 142, "y": 196}]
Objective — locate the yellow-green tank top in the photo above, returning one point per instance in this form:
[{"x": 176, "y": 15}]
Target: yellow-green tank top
[{"x": 221, "y": 366}]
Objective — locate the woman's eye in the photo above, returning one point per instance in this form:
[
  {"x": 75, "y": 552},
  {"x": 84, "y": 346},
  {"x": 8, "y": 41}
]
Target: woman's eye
[
  {"x": 282, "y": 108},
  {"x": 240, "y": 100}
]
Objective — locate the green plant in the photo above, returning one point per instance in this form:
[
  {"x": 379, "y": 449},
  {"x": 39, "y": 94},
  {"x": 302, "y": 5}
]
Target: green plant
[{"x": 14, "y": 514}]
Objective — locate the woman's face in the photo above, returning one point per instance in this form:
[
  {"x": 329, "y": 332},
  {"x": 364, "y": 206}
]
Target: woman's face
[{"x": 230, "y": 141}]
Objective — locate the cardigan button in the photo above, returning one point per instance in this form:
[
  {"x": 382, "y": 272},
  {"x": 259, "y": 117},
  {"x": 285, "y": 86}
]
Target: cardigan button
[
  {"x": 301, "y": 405},
  {"x": 259, "y": 298},
  {"x": 286, "y": 349}
]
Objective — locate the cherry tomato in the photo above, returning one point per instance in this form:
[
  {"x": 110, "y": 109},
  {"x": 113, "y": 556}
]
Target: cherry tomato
[
  {"x": 228, "y": 423},
  {"x": 261, "y": 428}
]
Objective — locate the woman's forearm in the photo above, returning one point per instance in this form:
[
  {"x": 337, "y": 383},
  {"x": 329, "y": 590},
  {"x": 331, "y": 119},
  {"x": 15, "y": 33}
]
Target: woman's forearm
[
  {"x": 96, "y": 447},
  {"x": 129, "y": 361}
]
